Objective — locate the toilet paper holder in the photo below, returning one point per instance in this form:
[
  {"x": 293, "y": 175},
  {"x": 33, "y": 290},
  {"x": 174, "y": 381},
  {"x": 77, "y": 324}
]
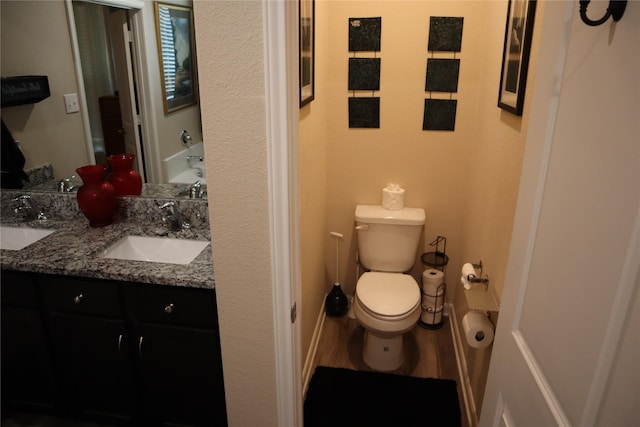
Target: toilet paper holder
[{"x": 472, "y": 278}]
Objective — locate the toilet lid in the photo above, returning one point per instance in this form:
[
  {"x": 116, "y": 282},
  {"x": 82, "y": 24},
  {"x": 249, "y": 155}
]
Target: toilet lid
[{"x": 388, "y": 294}]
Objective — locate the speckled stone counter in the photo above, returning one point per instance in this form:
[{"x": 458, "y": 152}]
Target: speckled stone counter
[{"x": 74, "y": 247}]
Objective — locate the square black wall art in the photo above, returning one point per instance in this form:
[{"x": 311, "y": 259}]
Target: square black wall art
[
  {"x": 445, "y": 34},
  {"x": 364, "y": 113},
  {"x": 364, "y": 73},
  {"x": 364, "y": 34},
  {"x": 439, "y": 114},
  {"x": 442, "y": 75}
]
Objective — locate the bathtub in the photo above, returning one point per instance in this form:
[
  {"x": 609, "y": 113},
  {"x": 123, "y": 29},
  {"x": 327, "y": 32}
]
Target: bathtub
[{"x": 177, "y": 166}]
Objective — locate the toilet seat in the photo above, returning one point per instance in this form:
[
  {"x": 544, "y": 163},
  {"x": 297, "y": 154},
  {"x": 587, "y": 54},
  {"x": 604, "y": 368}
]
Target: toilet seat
[{"x": 374, "y": 295}]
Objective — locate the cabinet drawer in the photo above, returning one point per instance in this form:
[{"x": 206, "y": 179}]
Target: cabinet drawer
[
  {"x": 172, "y": 305},
  {"x": 18, "y": 288},
  {"x": 80, "y": 296}
]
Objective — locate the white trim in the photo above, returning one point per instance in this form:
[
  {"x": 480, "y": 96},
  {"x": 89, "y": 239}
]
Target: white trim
[
  {"x": 307, "y": 370},
  {"x": 82, "y": 93},
  {"x": 619, "y": 312},
  {"x": 543, "y": 385},
  {"x": 463, "y": 371},
  {"x": 282, "y": 207},
  {"x": 150, "y": 140},
  {"x": 121, "y": 4}
]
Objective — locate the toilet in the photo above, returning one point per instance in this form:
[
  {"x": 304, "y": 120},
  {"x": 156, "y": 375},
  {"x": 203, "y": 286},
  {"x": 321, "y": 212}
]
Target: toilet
[{"x": 387, "y": 301}]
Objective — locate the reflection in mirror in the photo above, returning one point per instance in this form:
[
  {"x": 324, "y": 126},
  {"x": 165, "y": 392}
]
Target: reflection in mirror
[
  {"x": 35, "y": 41},
  {"x": 176, "y": 49}
]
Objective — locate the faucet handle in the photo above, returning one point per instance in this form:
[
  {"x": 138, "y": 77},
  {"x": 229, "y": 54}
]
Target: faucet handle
[
  {"x": 167, "y": 205},
  {"x": 29, "y": 209}
]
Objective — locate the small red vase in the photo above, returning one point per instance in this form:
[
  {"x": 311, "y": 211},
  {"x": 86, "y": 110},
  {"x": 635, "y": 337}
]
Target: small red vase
[
  {"x": 97, "y": 198},
  {"x": 124, "y": 179}
]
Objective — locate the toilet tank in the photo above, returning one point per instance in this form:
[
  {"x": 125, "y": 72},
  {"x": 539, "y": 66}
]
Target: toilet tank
[{"x": 388, "y": 239}]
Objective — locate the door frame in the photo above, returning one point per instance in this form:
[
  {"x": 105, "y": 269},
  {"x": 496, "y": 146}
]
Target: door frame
[
  {"x": 281, "y": 95},
  {"x": 148, "y": 143}
]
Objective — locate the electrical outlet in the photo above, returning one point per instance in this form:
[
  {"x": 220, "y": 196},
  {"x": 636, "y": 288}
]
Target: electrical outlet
[{"x": 71, "y": 103}]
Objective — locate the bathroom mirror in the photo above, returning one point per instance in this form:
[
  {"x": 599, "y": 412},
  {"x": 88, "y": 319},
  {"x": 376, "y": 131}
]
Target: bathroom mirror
[{"x": 64, "y": 39}]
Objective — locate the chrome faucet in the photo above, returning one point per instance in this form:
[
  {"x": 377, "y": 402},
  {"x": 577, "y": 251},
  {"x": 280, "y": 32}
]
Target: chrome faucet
[
  {"x": 66, "y": 185},
  {"x": 185, "y": 138},
  {"x": 172, "y": 218},
  {"x": 196, "y": 191},
  {"x": 28, "y": 209}
]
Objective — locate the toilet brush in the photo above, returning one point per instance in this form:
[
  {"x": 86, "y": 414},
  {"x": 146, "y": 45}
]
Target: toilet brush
[{"x": 336, "y": 303}]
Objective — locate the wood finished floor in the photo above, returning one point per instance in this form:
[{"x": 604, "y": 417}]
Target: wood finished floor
[{"x": 428, "y": 353}]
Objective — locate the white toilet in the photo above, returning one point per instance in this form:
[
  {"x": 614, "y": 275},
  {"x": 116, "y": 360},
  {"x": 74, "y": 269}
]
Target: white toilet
[{"x": 387, "y": 301}]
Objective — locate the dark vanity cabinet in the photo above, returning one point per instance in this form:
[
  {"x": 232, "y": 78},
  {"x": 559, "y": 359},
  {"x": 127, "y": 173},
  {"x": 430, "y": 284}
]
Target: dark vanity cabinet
[
  {"x": 178, "y": 354},
  {"x": 28, "y": 380},
  {"x": 141, "y": 354},
  {"x": 90, "y": 345}
]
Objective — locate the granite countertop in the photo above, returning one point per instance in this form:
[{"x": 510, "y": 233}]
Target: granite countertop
[{"x": 73, "y": 249}]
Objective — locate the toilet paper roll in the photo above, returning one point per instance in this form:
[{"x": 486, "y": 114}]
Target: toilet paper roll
[
  {"x": 467, "y": 270},
  {"x": 478, "y": 330},
  {"x": 393, "y": 197},
  {"x": 431, "y": 279}
]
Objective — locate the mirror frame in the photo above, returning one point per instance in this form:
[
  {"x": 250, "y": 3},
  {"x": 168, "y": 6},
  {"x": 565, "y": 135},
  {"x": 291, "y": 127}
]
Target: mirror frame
[{"x": 172, "y": 103}]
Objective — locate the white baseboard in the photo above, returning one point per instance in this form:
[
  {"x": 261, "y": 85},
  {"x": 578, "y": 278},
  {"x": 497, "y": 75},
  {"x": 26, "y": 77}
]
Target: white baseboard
[
  {"x": 463, "y": 371},
  {"x": 308, "y": 367}
]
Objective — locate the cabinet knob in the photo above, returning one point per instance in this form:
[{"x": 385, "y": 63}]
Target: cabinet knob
[
  {"x": 78, "y": 298},
  {"x": 169, "y": 309}
]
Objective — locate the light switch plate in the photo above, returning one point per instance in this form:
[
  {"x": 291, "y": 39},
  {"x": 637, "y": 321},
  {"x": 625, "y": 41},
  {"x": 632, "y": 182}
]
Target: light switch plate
[{"x": 71, "y": 103}]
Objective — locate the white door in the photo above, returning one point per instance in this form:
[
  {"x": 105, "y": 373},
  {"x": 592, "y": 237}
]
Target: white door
[
  {"x": 568, "y": 338},
  {"x": 124, "y": 70}
]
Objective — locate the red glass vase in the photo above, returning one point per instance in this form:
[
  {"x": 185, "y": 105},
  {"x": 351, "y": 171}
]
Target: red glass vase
[
  {"x": 97, "y": 198},
  {"x": 124, "y": 179}
]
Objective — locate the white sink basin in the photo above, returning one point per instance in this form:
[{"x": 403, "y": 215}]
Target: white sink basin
[
  {"x": 155, "y": 249},
  {"x": 16, "y": 238}
]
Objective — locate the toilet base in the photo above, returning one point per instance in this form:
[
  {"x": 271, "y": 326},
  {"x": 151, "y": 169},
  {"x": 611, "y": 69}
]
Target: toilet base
[{"x": 383, "y": 353}]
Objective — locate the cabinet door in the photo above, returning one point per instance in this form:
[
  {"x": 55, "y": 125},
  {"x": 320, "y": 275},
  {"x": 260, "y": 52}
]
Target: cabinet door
[
  {"x": 94, "y": 365},
  {"x": 181, "y": 375},
  {"x": 28, "y": 380}
]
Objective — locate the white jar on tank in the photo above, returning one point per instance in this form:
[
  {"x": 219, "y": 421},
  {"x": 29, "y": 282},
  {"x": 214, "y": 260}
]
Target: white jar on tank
[{"x": 387, "y": 301}]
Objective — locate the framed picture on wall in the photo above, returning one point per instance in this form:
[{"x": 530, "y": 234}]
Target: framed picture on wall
[
  {"x": 177, "y": 57},
  {"x": 306, "y": 12},
  {"x": 515, "y": 56}
]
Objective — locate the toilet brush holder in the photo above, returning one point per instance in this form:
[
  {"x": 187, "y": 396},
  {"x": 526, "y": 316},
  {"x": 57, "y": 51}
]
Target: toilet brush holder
[{"x": 336, "y": 303}]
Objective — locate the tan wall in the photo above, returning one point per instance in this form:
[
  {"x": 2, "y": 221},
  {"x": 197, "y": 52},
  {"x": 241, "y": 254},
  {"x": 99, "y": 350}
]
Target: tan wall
[
  {"x": 313, "y": 138},
  {"x": 467, "y": 180},
  {"x": 46, "y": 132},
  {"x": 233, "y": 111}
]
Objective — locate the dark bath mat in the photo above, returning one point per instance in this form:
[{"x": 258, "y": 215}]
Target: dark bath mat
[{"x": 344, "y": 397}]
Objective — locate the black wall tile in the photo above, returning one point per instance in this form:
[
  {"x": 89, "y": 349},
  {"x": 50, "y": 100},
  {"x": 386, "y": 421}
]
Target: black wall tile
[
  {"x": 364, "y": 112},
  {"x": 439, "y": 114},
  {"x": 442, "y": 75},
  {"x": 445, "y": 34},
  {"x": 364, "y": 73},
  {"x": 364, "y": 34}
]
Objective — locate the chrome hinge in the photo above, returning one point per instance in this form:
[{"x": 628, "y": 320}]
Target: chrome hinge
[
  {"x": 128, "y": 35},
  {"x": 294, "y": 312}
]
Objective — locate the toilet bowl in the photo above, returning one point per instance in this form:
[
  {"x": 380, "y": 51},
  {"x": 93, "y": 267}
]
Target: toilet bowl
[
  {"x": 386, "y": 316},
  {"x": 387, "y": 302}
]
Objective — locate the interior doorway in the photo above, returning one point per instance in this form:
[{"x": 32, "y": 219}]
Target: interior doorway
[{"x": 104, "y": 45}]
